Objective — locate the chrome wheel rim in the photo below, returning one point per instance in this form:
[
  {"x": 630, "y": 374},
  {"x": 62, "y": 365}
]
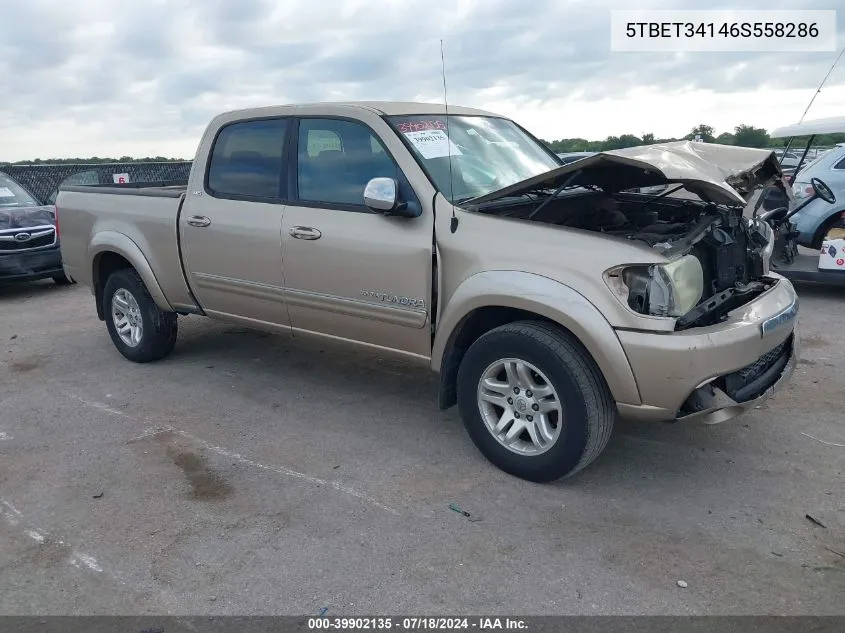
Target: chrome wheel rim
[
  {"x": 519, "y": 406},
  {"x": 126, "y": 316}
]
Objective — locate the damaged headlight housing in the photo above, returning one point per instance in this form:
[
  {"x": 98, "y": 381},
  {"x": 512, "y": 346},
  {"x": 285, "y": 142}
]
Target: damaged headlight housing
[
  {"x": 763, "y": 237},
  {"x": 665, "y": 290}
]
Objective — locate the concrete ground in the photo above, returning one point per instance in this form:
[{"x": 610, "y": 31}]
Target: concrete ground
[{"x": 252, "y": 474}]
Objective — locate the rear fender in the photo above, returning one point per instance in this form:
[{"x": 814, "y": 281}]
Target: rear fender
[{"x": 114, "y": 242}]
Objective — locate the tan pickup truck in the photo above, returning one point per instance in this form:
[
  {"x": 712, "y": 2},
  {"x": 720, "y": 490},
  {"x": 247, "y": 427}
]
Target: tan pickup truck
[{"x": 550, "y": 298}]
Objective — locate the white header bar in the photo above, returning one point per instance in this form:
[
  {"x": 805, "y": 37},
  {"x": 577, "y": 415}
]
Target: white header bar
[{"x": 723, "y": 31}]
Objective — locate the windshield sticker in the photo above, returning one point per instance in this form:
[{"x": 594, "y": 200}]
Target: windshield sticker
[
  {"x": 5, "y": 192},
  {"x": 433, "y": 144},
  {"x": 419, "y": 126}
]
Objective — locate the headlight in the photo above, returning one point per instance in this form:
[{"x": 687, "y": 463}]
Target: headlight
[
  {"x": 803, "y": 190},
  {"x": 667, "y": 290}
]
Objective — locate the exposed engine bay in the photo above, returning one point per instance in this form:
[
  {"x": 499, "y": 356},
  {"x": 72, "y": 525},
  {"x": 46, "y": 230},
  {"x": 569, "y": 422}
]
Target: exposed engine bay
[{"x": 718, "y": 259}]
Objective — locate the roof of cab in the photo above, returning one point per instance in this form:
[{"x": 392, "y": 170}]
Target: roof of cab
[{"x": 388, "y": 108}]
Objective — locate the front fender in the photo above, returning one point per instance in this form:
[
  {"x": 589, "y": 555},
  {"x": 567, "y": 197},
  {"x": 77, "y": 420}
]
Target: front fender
[
  {"x": 114, "y": 242},
  {"x": 547, "y": 298}
]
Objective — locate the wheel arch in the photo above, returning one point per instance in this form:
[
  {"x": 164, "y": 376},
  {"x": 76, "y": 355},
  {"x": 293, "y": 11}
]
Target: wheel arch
[
  {"x": 487, "y": 300},
  {"x": 110, "y": 251},
  {"x": 825, "y": 226}
]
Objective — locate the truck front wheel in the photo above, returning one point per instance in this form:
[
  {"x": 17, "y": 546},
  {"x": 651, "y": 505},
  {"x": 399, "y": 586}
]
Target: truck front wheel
[
  {"x": 139, "y": 329},
  {"x": 534, "y": 402}
]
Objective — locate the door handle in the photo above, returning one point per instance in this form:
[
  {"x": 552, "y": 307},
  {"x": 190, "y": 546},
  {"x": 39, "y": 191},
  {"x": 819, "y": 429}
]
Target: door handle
[
  {"x": 198, "y": 220},
  {"x": 305, "y": 233}
]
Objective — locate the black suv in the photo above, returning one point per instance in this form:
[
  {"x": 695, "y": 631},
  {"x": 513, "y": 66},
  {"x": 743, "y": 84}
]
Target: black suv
[{"x": 29, "y": 240}]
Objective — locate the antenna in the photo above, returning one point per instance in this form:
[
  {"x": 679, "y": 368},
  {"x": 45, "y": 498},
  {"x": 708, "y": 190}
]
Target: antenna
[
  {"x": 454, "y": 224},
  {"x": 818, "y": 90}
]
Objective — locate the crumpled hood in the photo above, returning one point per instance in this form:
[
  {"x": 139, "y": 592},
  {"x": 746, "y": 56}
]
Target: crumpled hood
[
  {"x": 721, "y": 173},
  {"x": 727, "y": 168},
  {"x": 26, "y": 217}
]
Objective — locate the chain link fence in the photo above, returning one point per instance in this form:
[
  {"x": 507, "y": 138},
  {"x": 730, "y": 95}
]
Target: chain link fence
[{"x": 44, "y": 181}]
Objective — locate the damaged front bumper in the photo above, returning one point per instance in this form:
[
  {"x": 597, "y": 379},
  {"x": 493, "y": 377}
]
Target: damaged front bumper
[
  {"x": 711, "y": 374},
  {"x": 718, "y": 400}
]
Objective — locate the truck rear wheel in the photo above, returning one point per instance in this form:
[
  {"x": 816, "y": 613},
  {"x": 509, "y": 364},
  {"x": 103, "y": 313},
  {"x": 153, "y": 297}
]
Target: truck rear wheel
[
  {"x": 139, "y": 329},
  {"x": 534, "y": 402}
]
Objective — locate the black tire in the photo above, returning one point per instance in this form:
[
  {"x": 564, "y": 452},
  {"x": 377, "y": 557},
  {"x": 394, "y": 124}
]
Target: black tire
[
  {"x": 158, "y": 326},
  {"x": 62, "y": 280},
  {"x": 589, "y": 412}
]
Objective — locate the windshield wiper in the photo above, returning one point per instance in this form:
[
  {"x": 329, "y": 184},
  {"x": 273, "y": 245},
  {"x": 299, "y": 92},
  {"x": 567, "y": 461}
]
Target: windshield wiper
[
  {"x": 556, "y": 192},
  {"x": 662, "y": 194}
]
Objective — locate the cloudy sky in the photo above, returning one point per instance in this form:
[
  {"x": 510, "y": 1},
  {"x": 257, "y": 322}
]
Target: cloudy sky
[{"x": 142, "y": 77}]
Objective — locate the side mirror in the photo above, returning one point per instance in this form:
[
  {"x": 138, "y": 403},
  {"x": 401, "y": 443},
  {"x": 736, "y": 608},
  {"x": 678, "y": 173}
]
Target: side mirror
[
  {"x": 822, "y": 190},
  {"x": 381, "y": 194}
]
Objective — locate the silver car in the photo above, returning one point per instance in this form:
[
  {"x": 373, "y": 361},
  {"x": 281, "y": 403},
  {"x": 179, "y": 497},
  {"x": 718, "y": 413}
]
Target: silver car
[{"x": 814, "y": 220}]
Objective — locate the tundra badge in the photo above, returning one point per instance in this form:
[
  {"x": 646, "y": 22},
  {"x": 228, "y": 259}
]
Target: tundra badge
[{"x": 386, "y": 297}]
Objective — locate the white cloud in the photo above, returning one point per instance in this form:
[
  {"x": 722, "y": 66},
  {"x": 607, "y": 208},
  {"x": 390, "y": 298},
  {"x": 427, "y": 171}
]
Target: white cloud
[
  {"x": 142, "y": 77},
  {"x": 650, "y": 110}
]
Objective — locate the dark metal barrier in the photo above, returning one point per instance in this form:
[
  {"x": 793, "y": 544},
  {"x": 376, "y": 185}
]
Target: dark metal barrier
[{"x": 43, "y": 181}]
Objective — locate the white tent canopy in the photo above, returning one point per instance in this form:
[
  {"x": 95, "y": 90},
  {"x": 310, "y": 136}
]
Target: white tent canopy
[{"x": 831, "y": 125}]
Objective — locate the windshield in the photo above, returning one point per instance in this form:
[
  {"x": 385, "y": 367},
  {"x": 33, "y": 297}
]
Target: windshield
[
  {"x": 13, "y": 195},
  {"x": 487, "y": 153}
]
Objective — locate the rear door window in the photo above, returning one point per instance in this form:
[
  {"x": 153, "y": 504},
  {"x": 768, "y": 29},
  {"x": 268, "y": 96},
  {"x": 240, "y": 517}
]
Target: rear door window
[{"x": 246, "y": 160}]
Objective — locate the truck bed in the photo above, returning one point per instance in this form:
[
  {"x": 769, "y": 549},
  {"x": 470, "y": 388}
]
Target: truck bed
[{"x": 143, "y": 217}]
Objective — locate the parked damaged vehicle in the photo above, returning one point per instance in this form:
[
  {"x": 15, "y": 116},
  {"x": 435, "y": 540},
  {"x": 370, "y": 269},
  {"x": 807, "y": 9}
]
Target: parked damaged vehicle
[
  {"x": 29, "y": 241},
  {"x": 719, "y": 259},
  {"x": 549, "y": 298}
]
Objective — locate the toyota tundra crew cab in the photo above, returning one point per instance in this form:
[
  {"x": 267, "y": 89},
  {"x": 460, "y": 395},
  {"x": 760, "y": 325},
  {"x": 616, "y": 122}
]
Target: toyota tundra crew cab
[{"x": 550, "y": 298}]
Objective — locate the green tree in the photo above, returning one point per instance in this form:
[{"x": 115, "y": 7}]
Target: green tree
[
  {"x": 570, "y": 145},
  {"x": 750, "y": 136},
  {"x": 96, "y": 160},
  {"x": 619, "y": 142},
  {"x": 822, "y": 140},
  {"x": 648, "y": 138},
  {"x": 705, "y": 131},
  {"x": 725, "y": 138}
]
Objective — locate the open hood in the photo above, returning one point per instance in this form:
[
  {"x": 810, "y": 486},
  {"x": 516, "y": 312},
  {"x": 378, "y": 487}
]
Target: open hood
[{"x": 723, "y": 174}]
